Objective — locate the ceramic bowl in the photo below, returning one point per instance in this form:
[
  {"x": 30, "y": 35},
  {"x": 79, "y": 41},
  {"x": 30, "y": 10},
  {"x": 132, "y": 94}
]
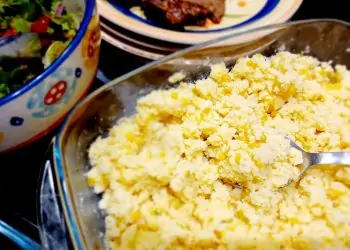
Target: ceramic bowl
[{"x": 35, "y": 109}]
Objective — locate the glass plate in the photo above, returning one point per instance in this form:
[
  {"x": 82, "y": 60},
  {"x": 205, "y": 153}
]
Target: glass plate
[
  {"x": 324, "y": 39},
  {"x": 53, "y": 231}
]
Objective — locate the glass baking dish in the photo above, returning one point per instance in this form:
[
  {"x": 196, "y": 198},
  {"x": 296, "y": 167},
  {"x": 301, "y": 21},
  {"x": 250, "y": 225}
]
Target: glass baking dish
[{"x": 328, "y": 40}]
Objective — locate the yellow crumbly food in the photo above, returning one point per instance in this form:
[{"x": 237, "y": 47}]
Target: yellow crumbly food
[{"x": 200, "y": 166}]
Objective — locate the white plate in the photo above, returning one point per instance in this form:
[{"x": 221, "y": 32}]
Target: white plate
[
  {"x": 136, "y": 40},
  {"x": 255, "y": 13},
  {"x": 129, "y": 48}
]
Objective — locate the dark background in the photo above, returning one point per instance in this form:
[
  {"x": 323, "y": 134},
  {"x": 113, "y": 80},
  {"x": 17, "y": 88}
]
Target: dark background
[{"x": 20, "y": 170}]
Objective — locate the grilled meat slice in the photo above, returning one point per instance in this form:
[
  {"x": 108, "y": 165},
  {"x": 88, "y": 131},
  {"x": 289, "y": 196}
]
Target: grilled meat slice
[{"x": 184, "y": 12}]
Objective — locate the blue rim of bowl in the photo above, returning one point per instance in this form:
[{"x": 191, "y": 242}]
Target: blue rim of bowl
[
  {"x": 90, "y": 4},
  {"x": 7, "y": 40},
  {"x": 68, "y": 209},
  {"x": 267, "y": 9}
]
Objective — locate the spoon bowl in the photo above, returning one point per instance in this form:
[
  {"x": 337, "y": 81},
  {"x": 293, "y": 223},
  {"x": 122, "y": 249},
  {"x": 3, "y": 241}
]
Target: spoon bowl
[{"x": 334, "y": 159}]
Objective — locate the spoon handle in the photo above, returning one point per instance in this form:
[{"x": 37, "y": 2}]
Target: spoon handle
[{"x": 331, "y": 158}]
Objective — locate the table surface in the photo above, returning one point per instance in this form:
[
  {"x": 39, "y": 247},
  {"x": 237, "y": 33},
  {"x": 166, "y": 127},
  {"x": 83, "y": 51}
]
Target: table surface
[{"x": 21, "y": 169}]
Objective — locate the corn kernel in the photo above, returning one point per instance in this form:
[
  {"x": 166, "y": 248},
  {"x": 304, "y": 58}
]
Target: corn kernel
[
  {"x": 221, "y": 156},
  {"x": 91, "y": 181},
  {"x": 264, "y": 118},
  {"x": 174, "y": 95},
  {"x": 289, "y": 93},
  {"x": 334, "y": 86},
  {"x": 130, "y": 136},
  {"x": 153, "y": 227},
  {"x": 135, "y": 215},
  {"x": 238, "y": 158}
]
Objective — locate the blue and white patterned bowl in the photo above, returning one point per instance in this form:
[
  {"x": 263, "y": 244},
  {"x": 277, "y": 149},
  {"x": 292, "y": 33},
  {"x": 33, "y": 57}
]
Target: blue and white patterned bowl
[{"x": 39, "y": 106}]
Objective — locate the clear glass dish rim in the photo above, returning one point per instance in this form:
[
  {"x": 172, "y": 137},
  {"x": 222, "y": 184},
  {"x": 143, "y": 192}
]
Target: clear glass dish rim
[{"x": 68, "y": 209}]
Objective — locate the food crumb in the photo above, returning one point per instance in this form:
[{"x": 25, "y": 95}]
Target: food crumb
[{"x": 177, "y": 77}]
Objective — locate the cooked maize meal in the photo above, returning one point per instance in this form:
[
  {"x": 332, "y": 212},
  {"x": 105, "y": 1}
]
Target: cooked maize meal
[{"x": 200, "y": 166}]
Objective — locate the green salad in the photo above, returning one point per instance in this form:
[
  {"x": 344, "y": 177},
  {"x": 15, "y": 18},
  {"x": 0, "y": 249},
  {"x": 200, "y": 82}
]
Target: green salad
[{"x": 52, "y": 27}]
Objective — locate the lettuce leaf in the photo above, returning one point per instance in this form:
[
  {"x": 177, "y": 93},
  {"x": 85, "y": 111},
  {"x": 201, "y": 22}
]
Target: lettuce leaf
[
  {"x": 20, "y": 25},
  {"x": 5, "y": 22},
  {"x": 53, "y": 52},
  {"x": 7, "y": 81},
  {"x": 32, "y": 48}
]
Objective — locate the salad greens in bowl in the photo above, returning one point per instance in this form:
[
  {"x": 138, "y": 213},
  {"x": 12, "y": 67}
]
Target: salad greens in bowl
[
  {"x": 49, "y": 52},
  {"x": 53, "y": 27}
]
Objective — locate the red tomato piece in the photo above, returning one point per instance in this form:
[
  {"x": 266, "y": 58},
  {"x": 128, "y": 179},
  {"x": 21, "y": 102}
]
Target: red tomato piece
[
  {"x": 9, "y": 32},
  {"x": 41, "y": 25}
]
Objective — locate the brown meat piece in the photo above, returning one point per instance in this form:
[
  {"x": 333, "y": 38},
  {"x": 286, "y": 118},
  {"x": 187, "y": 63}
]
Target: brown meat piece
[{"x": 185, "y": 12}]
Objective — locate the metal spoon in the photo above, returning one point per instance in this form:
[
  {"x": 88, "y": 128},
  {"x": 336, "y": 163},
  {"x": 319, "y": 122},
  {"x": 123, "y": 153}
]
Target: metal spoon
[{"x": 316, "y": 159}]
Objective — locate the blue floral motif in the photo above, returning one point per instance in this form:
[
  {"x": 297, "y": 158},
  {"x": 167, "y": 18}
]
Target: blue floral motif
[
  {"x": 78, "y": 72},
  {"x": 36, "y": 102},
  {"x": 16, "y": 121}
]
